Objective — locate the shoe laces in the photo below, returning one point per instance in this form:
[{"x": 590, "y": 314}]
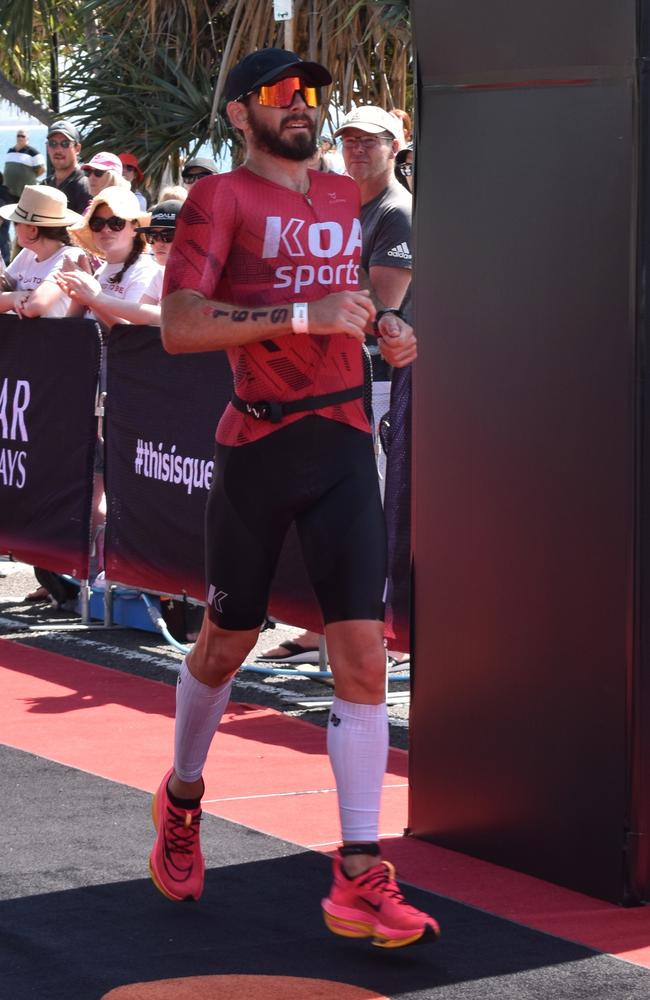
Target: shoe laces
[
  {"x": 182, "y": 829},
  {"x": 381, "y": 878}
]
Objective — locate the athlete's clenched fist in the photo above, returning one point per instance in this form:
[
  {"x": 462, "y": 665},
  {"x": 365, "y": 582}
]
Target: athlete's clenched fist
[{"x": 342, "y": 312}]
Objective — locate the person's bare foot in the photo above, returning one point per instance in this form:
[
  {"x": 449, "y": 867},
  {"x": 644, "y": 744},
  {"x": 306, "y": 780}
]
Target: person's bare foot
[{"x": 40, "y": 594}]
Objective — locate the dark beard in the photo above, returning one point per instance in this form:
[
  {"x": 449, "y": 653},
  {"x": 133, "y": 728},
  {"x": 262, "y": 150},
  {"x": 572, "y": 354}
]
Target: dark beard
[{"x": 301, "y": 147}]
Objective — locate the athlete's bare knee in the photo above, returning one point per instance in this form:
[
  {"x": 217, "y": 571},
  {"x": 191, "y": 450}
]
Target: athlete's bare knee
[
  {"x": 362, "y": 682},
  {"x": 218, "y": 653},
  {"x": 358, "y": 661}
]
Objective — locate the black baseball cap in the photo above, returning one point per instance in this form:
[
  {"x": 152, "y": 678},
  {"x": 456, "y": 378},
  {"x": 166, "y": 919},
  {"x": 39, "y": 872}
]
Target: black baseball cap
[
  {"x": 401, "y": 154},
  {"x": 66, "y": 128},
  {"x": 163, "y": 216},
  {"x": 267, "y": 65}
]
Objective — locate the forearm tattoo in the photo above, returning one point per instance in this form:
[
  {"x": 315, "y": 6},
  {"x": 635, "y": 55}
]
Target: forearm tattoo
[{"x": 275, "y": 316}]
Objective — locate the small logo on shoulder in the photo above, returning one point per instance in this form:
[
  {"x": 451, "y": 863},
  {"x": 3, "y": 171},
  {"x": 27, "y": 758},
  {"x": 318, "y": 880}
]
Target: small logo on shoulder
[
  {"x": 334, "y": 719},
  {"x": 401, "y": 250}
]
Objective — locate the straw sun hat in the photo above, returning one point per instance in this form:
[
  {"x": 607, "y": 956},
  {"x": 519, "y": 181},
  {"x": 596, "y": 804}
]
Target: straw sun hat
[
  {"x": 40, "y": 205},
  {"x": 120, "y": 202}
]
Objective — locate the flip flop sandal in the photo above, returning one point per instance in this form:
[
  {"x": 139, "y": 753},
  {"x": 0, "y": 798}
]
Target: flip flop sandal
[{"x": 295, "y": 654}]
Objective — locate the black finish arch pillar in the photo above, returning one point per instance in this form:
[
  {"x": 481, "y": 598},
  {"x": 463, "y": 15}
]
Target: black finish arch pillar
[{"x": 530, "y": 720}]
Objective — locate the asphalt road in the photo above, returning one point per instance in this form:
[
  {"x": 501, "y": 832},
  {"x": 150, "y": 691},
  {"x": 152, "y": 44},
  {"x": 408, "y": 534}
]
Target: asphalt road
[{"x": 149, "y": 654}]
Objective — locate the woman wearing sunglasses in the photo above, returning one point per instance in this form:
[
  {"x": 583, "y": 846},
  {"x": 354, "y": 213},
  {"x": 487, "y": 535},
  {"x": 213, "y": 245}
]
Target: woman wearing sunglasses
[
  {"x": 104, "y": 170},
  {"x": 114, "y": 293},
  {"x": 159, "y": 234}
]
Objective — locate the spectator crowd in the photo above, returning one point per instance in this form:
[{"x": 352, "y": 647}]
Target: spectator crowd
[{"x": 86, "y": 245}]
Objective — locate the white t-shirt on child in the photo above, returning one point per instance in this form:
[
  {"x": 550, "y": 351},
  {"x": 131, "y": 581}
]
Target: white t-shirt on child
[{"x": 134, "y": 282}]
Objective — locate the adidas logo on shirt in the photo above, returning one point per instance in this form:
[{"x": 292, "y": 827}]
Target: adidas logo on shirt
[{"x": 401, "y": 250}]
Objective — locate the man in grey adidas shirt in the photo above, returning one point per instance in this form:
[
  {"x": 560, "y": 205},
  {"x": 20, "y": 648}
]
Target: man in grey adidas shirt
[{"x": 369, "y": 137}]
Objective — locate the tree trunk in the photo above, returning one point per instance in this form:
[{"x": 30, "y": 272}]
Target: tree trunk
[
  {"x": 54, "y": 71},
  {"x": 23, "y": 100}
]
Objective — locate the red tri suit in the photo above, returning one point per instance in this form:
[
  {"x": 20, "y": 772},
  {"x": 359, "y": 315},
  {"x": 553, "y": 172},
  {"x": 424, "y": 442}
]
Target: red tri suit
[{"x": 249, "y": 242}]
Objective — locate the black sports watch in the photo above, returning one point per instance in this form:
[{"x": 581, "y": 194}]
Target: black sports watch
[{"x": 383, "y": 312}]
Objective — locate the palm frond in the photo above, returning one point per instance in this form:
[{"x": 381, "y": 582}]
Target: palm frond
[
  {"x": 148, "y": 76},
  {"x": 155, "y": 109}
]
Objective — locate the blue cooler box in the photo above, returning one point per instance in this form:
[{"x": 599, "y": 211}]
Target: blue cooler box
[{"x": 128, "y": 608}]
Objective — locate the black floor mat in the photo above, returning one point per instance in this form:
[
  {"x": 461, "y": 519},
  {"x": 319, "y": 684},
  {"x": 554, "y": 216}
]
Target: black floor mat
[{"x": 78, "y": 917}]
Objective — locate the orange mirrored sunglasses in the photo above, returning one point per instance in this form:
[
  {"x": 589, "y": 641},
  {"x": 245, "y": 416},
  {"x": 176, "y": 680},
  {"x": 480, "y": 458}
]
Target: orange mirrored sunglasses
[{"x": 280, "y": 94}]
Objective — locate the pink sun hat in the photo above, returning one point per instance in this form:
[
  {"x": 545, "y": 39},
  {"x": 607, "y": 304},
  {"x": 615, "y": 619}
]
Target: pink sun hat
[{"x": 104, "y": 161}]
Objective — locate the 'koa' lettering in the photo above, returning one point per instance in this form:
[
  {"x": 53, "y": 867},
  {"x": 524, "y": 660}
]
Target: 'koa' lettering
[{"x": 324, "y": 239}]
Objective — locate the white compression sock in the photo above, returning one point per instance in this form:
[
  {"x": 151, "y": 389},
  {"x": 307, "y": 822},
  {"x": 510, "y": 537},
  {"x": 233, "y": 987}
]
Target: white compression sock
[
  {"x": 357, "y": 744},
  {"x": 198, "y": 713}
]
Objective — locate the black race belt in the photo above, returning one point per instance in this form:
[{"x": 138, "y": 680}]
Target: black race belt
[{"x": 274, "y": 410}]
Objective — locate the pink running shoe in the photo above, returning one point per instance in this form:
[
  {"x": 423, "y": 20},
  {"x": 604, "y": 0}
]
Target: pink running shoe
[
  {"x": 372, "y": 906},
  {"x": 176, "y": 862}
]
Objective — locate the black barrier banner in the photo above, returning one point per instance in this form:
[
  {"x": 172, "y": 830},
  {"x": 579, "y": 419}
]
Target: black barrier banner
[
  {"x": 48, "y": 434},
  {"x": 161, "y": 414},
  {"x": 397, "y": 504}
]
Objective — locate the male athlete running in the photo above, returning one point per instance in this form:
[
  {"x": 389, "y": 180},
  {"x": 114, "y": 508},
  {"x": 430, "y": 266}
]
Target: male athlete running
[{"x": 265, "y": 266}]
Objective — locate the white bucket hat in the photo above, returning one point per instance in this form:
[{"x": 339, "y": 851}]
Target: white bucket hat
[
  {"x": 121, "y": 202},
  {"x": 40, "y": 205}
]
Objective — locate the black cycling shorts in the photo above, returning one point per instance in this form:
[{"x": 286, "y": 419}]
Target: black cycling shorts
[{"x": 321, "y": 474}]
